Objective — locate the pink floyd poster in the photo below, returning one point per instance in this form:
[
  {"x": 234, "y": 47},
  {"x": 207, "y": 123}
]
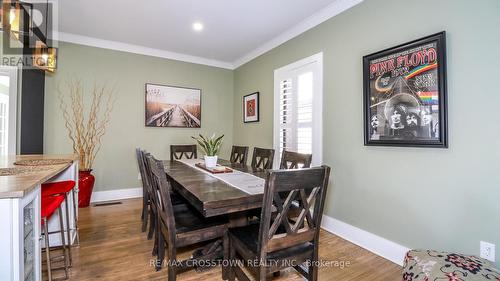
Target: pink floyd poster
[{"x": 405, "y": 94}]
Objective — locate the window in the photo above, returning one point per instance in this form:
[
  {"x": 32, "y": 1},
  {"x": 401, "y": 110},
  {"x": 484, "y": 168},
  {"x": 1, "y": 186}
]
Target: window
[{"x": 298, "y": 95}]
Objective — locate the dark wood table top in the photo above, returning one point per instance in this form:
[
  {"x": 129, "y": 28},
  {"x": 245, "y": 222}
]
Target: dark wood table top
[{"x": 211, "y": 196}]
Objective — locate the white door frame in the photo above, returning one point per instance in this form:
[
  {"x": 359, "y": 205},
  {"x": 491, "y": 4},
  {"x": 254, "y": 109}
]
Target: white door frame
[{"x": 12, "y": 73}]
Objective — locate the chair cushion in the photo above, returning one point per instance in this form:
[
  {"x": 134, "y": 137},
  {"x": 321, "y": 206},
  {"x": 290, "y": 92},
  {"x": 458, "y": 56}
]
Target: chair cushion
[
  {"x": 49, "y": 205},
  {"x": 55, "y": 188},
  {"x": 249, "y": 236},
  {"x": 433, "y": 265}
]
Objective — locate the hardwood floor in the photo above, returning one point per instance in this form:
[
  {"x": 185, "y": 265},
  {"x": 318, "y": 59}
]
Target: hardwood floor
[{"x": 114, "y": 248}]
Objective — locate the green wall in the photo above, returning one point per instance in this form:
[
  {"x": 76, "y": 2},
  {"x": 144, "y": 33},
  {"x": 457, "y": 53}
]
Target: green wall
[
  {"x": 421, "y": 198},
  {"x": 115, "y": 166}
]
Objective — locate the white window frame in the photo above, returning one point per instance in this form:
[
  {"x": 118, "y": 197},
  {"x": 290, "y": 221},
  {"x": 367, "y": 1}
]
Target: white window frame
[
  {"x": 315, "y": 62},
  {"x": 12, "y": 73}
]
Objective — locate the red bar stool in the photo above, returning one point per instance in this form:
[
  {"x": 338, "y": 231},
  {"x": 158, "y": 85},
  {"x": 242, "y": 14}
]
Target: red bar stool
[
  {"x": 63, "y": 188},
  {"x": 49, "y": 205}
]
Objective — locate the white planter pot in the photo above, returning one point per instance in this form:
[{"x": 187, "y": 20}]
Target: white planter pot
[{"x": 210, "y": 161}]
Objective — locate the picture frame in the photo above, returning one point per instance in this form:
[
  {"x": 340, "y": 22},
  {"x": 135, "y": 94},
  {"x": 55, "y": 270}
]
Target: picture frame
[
  {"x": 251, "y": 110},
  {"x": 405, "y": 94},
  {"x": 172, "y": 106}
]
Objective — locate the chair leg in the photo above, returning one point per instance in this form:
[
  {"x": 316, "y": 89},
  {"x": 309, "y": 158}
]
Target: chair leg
[
  {"x": 232, "y": 260},
  {"x": 225, "y": 256},
  {"x": 47, "y": 248},
  {"x": 161, "y": 252},
  {"x": 68, "y": 229},
  {"x": 262, "y": 273},
  {"x": 313, "y": 268},
  {"x": 63, "y": 242},
  {"x": 152, "y": 224},
  {"x": 145, "y": 208},
  {"x": 156, "y": 237},
  {"x": 172, "y": 257},
  {"x": 143, "y": 202}
]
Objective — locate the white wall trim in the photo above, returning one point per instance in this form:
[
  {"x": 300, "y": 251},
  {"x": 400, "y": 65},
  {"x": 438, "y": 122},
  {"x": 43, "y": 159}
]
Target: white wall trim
[
  {"x": 369, "y": 241},
  {"x": 330, "y": 11},
  {"x": 117, "y": 194},
  {"x": 137, "y": 49}
]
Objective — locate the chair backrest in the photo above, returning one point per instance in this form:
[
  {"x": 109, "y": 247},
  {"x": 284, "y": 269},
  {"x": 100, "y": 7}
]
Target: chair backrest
[
  {"x": 262, "y": 158},
  {"x": 188, "y": 151},
  {"x": 308, "y": 187},
  {"x": 152, "y": 187},
  {"x": 239, "y": 154},
  {"x": 295, "y": 160},
  {"x": 164, "y": 204},
  {"x": 142, "y": 170}
]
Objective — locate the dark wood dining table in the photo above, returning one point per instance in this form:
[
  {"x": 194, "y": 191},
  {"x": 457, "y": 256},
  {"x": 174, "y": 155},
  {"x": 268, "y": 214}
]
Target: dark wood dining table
[{"x": 212, "y": 196}]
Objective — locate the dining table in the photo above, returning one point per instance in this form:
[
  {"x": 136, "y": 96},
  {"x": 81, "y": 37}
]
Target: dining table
[{"x": 232, "y": 194}]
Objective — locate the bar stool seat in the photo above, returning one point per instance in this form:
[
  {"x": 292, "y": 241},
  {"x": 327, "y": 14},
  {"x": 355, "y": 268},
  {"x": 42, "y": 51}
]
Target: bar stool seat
[
  {"x": 50, "y": 205},
  {"x": 57, "y": 188}
]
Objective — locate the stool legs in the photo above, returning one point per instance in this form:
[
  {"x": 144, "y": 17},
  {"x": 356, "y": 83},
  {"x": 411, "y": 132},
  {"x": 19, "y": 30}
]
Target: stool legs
[
  {"x": 75, "y": 209},
  {"x": 68, "y": 228},
  {"x": 47, "y": 245},
  {"x": 63, "y": 242}
]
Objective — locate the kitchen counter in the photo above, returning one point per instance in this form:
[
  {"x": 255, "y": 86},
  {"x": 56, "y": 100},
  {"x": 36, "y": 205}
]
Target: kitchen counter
[{"x": 18, "y": 185}]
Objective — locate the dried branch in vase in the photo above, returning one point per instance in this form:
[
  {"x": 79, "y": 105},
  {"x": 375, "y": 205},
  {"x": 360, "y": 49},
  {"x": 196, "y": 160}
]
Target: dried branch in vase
[{"x": 86, "y": 128}]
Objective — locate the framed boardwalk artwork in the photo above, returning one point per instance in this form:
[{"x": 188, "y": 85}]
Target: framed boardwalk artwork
[
  {"x": 171, "y": 106},
  {"x": 405, "y": 94}
]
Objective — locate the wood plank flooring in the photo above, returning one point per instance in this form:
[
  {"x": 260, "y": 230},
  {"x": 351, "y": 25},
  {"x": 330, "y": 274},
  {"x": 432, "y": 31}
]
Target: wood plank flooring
[{"x": 114, "y": 248}]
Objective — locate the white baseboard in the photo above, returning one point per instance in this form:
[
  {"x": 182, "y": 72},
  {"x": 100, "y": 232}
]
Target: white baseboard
[
  {"x": 369, "y": 241},
  {"x": 117, "y": 194}
]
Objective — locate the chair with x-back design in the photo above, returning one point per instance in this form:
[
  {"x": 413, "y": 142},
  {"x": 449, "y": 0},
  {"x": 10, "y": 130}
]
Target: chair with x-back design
[
  {"x": 262, "y": 158},
  {"x": 279, "y": 242},
  {"x": 295, "y": 160},
  {"x": 188, "y": 151},
  {"x": 239, "y": 155}
]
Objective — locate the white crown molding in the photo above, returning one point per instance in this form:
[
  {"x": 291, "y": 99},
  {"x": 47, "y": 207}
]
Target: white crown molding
[
  {"x": 330, "y": 11},
  {"x": 369, "y": 241},
  {"x": 136, "y": 49}
]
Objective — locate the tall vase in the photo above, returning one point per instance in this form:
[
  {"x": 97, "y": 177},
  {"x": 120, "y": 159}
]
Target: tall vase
[{"x": 85, "y": 186}]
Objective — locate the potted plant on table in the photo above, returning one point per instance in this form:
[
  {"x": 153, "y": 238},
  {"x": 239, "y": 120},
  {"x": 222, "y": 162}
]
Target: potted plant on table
[
  {"x": 211, "y": 147},
  {"x": 86, "y": 129}
]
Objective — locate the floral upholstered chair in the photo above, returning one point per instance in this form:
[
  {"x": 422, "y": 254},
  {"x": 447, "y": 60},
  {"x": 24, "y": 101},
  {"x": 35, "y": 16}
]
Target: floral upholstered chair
[{"x": 427, "y": 265}]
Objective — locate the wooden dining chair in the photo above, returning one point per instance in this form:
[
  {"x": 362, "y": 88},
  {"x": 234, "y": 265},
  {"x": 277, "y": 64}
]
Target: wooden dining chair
[
  {"x": 179, "y": 151},
  {"x": 149, "y": 211},
  {"x": 277, "y": 242},
  {"x": 295, "y": 160},
  {"x": 181, "y": 226},
  {"x": 145, "y": 191},
  {"x": 262, "y": 158},
  {"x": 239, "y": 155}
]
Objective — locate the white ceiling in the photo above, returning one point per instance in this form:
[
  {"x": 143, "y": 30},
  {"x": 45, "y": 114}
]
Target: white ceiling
[{"x": 234, "y": 31}]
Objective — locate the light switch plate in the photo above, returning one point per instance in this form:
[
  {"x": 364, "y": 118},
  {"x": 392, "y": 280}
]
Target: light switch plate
[
  {"x": 139, "y": 176},
  {"x": 487, "y": 251}
]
